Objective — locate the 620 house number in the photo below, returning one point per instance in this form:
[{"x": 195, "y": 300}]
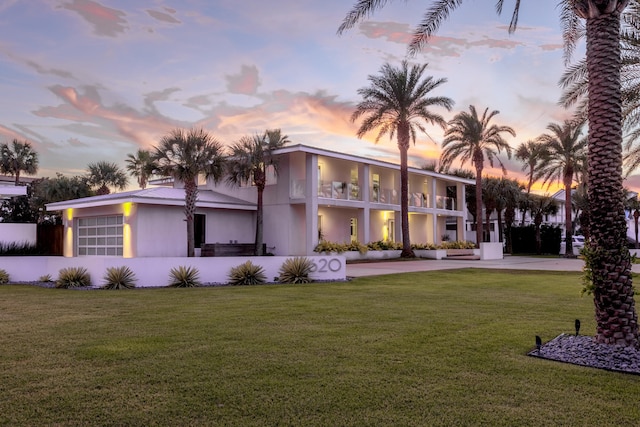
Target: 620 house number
[{"x": 324, "y": 265}]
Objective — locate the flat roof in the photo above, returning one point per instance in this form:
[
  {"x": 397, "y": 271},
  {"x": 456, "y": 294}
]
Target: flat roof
[{"x": 157, "y": 196}]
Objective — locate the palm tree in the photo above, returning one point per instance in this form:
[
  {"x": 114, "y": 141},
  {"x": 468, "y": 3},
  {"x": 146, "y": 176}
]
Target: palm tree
[
  {"x": 250, "y": 160},
  {"x": 184, "y": 155},
  {"x": 610, "y": 262},
  {"x": 18, "y": 157},
  {"x": 397, "y": 102},
  {"x": 566, "y": 155},
  {"x": 140, "y": 166},
  {"x": 104, "y": 175},
  {"x": 541, "y": 206},
  {"x": 534, "y": 155},
  {"x": 472, "y": 139}
]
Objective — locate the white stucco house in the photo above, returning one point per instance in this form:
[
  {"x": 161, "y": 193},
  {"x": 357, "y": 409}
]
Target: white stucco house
[{"x": 317, "y": 194}]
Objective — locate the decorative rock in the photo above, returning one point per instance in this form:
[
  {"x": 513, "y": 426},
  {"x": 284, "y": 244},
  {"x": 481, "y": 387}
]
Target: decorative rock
[{"x": 584, "y": 351}]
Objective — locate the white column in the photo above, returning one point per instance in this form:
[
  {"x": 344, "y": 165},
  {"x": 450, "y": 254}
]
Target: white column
[{"x": 311, "y": 203}]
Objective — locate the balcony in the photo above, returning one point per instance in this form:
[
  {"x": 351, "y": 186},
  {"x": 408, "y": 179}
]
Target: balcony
[
  {"x": 448, "y": 203},
  {"x": 385, "y": 195},
  {"x": 418, "y": 200},
  {"x": 339, "y": 190}
]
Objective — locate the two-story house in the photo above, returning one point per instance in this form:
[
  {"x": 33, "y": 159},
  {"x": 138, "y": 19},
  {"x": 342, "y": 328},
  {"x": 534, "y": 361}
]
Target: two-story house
[{"x": 317, "y": 194}]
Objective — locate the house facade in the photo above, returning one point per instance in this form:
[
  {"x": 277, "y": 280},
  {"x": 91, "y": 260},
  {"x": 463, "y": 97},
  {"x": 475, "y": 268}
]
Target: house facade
[{"x": 316, "y": 195}]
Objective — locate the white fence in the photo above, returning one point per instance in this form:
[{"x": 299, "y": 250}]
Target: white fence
[
  {"x": 154, "y": 272},
  {"x": 18, "y": 233}
]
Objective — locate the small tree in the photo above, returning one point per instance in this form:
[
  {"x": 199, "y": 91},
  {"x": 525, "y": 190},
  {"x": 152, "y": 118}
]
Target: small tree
[
  {"x": 18, "y": 157},
  {"x": 102, "y": 175},
  {"x": 250, "y": 159},
  {"x": 184, "y": 155},
  {"x": 140, "y": 166}
]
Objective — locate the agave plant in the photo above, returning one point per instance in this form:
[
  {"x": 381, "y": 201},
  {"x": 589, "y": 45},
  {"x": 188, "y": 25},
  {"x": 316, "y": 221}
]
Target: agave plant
[
  {"x": 46, "y": 278},
  {"x": 119, "y": 278},
  {"x": 296, "y": 270},
  {"x": 184, "y": 277},
  {"x": 4, "y": 277},
  {"x": 73, "y": 277},
  {"x": 247, "y": 274}
]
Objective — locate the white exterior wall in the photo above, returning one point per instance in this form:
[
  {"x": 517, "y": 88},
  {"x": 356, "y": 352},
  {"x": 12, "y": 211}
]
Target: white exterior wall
[
  {"x": 18, "y": 233},
  {"x": 154, "y": 272}
]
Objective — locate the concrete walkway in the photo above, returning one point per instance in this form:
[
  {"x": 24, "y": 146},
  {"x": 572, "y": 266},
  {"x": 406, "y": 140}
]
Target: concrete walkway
[{"x": 509, "y": 262}]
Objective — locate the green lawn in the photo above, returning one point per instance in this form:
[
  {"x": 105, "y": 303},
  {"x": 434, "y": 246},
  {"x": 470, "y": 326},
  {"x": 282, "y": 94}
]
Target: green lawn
[{"x": 421, "y": 349}]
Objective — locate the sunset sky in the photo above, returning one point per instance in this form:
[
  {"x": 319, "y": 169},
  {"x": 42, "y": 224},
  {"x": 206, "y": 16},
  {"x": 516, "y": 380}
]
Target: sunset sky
[{"x": 88, "y": 80}]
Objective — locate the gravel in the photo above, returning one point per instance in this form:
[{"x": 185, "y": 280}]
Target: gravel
[{"x": 584, "y": 351}]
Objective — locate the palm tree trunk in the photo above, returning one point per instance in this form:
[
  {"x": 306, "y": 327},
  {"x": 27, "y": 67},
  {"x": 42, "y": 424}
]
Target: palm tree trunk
[
  {"x": 608, "y": 260},
  {"x": 478, "y": 203},
  {"x": 403, "y": 146},
  {"x": 17, "y": 171},
  {"x": 636, "y": 215},
  {"x": 191, "y": 196},
  {"x": 568, "y": 225},
  {"x": 259, "y": 223}
]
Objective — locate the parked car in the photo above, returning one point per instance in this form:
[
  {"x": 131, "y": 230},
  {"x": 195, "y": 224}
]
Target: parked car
[{"x": 578, "y": 244}]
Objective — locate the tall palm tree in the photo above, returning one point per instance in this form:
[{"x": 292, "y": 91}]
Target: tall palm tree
[
  {"x": 102, "y": 175},
  {"x": 610, "y": 261},
  {"x": 17, "y": 158},
  {"x": 250, "y": 160},
  {"x": 397, "y": 102},
  {"x": 567, "y": 151},
  {"x": 534, "y": 155},
  {"x": 140, "y": 166},
  {"x": 470, "y": 138},
  {"x": 184, "y": 155}
]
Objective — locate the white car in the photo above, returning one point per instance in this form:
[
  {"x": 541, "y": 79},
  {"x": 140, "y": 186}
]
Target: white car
[{"x": 578, "y": 244}]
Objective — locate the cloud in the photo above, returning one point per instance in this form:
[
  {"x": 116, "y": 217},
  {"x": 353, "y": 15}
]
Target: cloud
[
  {"x": 245, "y": 83},
  {"x": 164, "y": 17},
  {"x": 95, "y": 120},
  {"x": 105, "y": 20}
]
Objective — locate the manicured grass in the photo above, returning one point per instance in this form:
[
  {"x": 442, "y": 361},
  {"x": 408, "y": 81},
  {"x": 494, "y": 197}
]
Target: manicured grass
[{"x": 437, "y": 348}]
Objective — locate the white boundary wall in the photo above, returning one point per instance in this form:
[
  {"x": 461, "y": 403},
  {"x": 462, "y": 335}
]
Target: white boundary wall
[
  {"x": 154, "y": 272},
  {"x": 18, "y": 233}
]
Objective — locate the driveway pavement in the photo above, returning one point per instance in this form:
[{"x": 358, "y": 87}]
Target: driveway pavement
[{"x": 509, "y": 262}]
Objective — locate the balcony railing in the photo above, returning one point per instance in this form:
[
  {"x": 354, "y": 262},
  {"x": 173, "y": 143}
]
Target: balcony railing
[
  {"x": 385, "y": 195},
  {"x": 448, "y": 203},
  {"x": 418, "y": 200},
  {"x": 339, "y": 190}
]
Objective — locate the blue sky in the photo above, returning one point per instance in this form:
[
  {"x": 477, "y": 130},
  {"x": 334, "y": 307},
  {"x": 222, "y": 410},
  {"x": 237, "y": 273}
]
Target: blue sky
[{"x": 89, "y": 80}]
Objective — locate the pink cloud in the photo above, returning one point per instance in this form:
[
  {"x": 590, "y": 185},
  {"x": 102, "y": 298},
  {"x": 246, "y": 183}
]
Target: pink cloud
[
  {"x": 108, "y": 122},
  {"x": 164, "y": 17},
  {"x": 105, "y": 20},
  {"x": 245, "y": 83}
]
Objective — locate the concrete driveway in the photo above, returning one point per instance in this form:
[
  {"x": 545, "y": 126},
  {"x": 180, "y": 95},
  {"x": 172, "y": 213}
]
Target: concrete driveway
[{"x": 509, "y": 262}]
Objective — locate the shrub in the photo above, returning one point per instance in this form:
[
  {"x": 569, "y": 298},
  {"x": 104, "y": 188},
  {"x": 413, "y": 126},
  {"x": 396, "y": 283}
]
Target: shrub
[
  {"x": 356, "y": 247},
  {"x": 46, "y": 278},
  {"x": 184, "y": 277},
  {"x": 458, "y": 244},
  {"x": 326, "y": 246},
  {"x": 247, "y": 274},
  {"x": 296, "y": 270},
  {"x": 384, "y": 245},
  {"x": 426, "y": 246},
  {"x": 4, "y": 277},
  {"x": 19, "y": 248},
  {"x": 73, "y": 277},
  {"x": 119, "y": 278}
]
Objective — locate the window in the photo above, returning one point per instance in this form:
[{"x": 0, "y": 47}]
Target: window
[
  {"x": 100, "y": 235},
  {"x": 353, "y": 229},
  {"x": 200, "y": 229}
]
